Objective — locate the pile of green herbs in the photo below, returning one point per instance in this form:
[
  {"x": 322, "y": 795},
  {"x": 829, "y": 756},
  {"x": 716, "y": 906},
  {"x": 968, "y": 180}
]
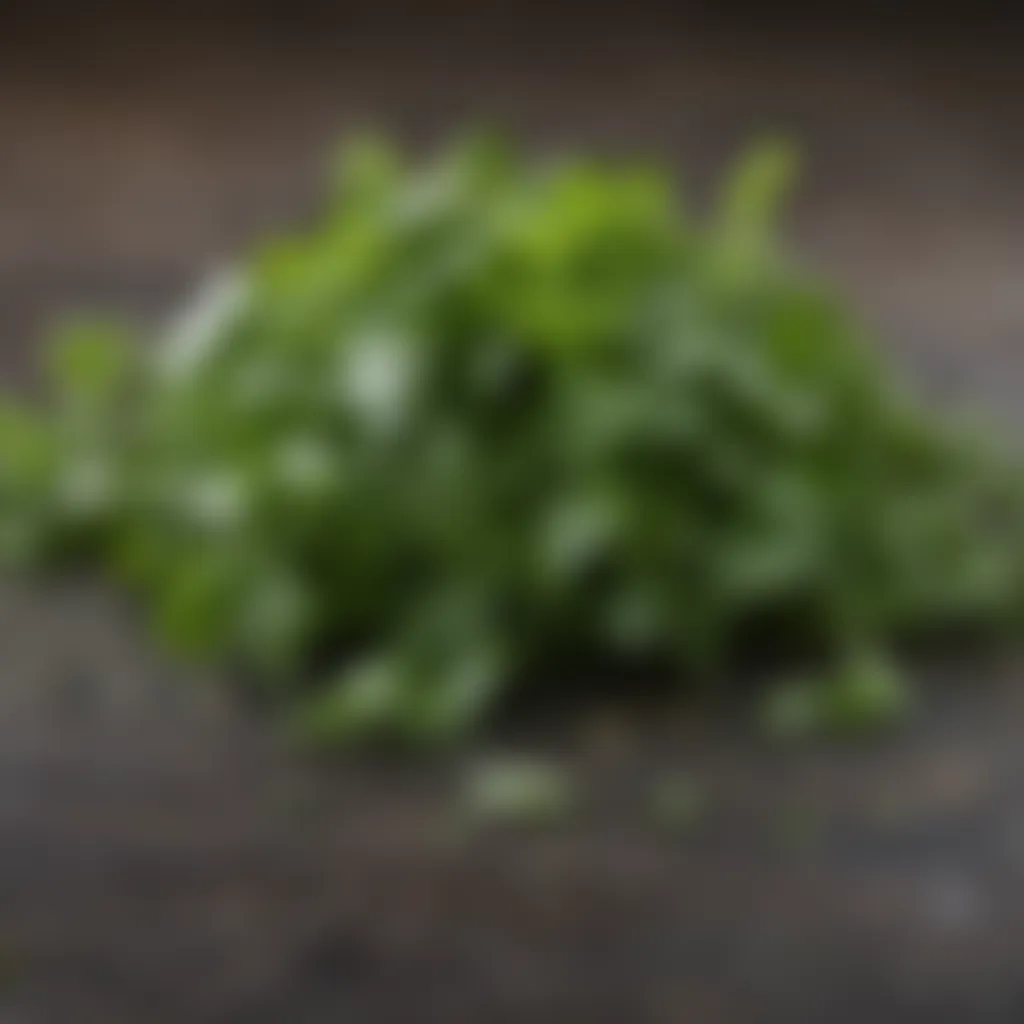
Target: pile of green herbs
[{"x": 489, "y": 421}]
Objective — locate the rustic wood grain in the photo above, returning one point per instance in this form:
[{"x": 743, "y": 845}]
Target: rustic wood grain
[{"x": 163, "y": 857}]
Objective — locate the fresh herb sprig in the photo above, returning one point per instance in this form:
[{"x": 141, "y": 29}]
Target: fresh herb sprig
[{"x": 487, "y": 419}]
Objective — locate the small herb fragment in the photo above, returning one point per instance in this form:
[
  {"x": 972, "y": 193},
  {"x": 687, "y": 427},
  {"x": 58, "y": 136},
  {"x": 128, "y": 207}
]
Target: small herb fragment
[
  {"x": 678, "y": 804},
  {"x": 519, "y": 792}
]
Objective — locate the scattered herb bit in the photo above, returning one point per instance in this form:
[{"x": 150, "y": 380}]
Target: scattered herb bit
[
  {"x": 799, "y": 831},
  {"x": 519, "y": 792},
  {"x": 12, "y": 967},
  {"x": 865, "y": 695},
  {"x": 678, "y": 804}
]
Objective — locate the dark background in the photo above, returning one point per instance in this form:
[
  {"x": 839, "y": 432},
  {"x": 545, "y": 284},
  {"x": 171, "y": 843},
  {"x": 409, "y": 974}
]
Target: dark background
[{"x": 164, "y": 858}]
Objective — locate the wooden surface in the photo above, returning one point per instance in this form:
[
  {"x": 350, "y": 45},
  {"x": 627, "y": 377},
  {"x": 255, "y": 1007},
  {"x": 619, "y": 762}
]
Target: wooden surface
[{"x": 163, "y": 858}]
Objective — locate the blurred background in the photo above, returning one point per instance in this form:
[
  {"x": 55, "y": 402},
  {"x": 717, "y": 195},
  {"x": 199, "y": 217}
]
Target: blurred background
[{"x": 163, "y": 858}]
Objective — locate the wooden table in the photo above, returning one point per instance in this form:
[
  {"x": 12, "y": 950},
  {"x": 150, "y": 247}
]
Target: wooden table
[{"x": 164, "y": 858}]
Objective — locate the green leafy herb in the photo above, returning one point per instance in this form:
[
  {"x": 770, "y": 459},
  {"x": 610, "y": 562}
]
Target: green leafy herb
[{"x": 489, "y": 419}]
